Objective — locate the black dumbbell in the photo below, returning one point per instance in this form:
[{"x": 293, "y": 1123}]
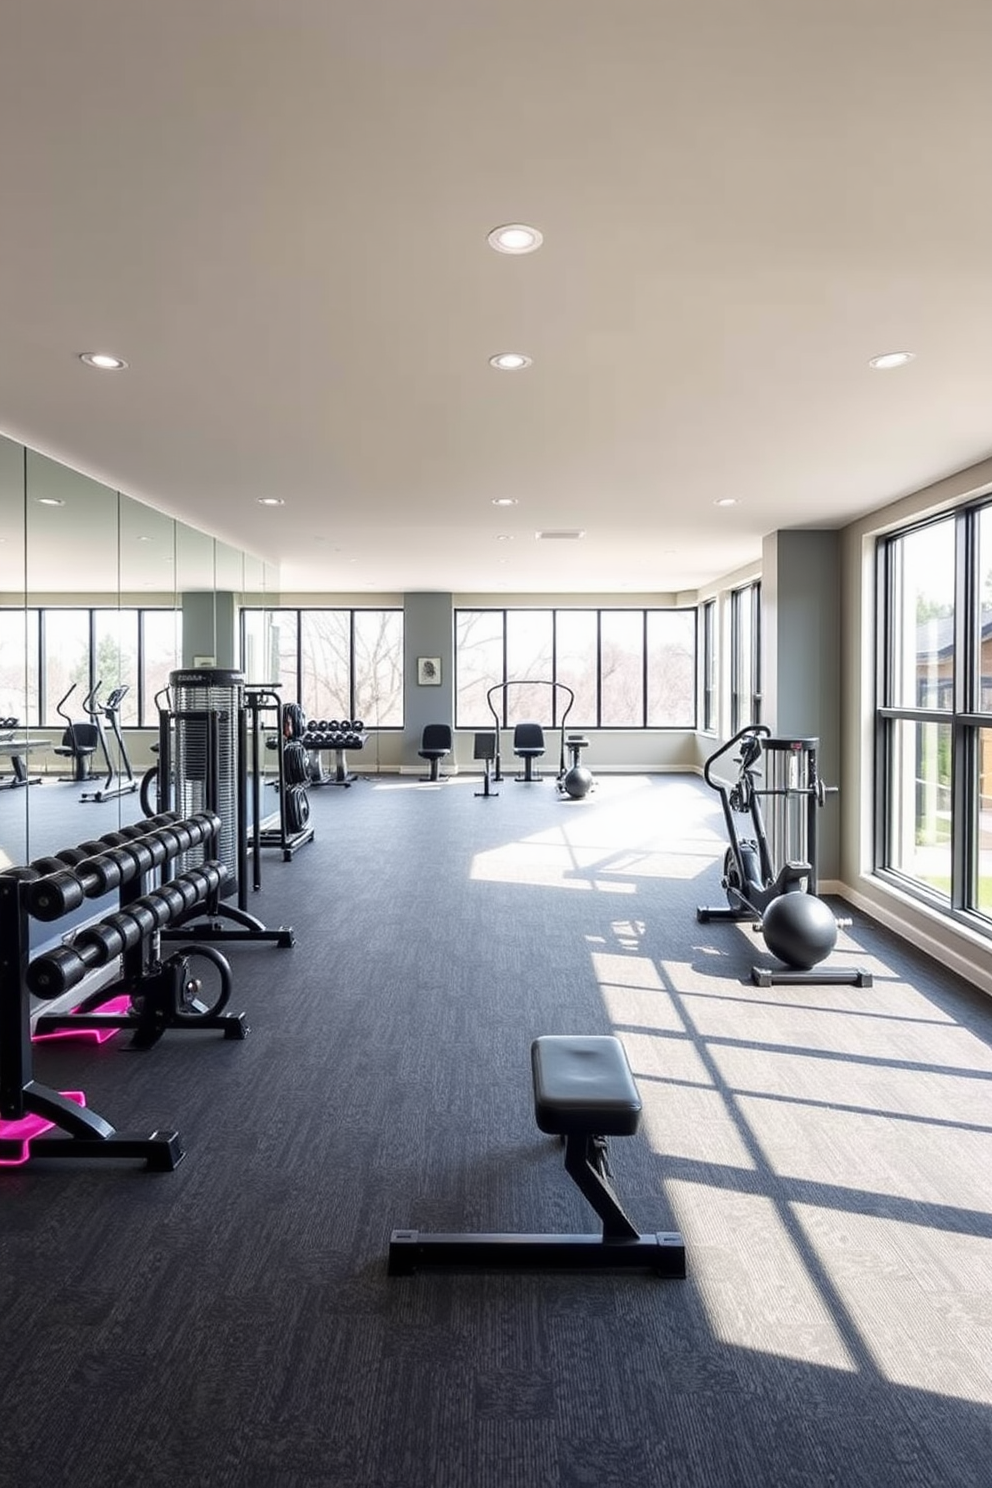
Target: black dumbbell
[{"x": 52, "y": 974}]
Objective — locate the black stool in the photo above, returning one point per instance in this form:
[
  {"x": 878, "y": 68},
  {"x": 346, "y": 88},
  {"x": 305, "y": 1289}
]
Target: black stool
[
  {"x": 584, "y": 1092},
  {"x": 485, "y": 750}
]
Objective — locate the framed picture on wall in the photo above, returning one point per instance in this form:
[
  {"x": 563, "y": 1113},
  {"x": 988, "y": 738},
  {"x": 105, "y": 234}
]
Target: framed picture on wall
[{"x": 429, "y": 671}]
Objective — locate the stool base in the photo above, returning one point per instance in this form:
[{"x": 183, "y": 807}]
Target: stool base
[{"x": 663, "y": 1253}]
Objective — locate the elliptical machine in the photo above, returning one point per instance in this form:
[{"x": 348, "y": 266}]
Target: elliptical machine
[
  {"x": 122, "y": 781},
  {"x": 769, "y": 875}
]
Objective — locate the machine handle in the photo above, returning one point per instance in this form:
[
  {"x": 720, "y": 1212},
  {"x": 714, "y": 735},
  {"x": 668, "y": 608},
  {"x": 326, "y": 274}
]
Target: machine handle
[{"x": 748, "y": 730}]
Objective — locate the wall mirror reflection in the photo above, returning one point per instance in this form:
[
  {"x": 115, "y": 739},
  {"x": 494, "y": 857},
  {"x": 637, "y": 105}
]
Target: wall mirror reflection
[{"x": 101, "y": 598}]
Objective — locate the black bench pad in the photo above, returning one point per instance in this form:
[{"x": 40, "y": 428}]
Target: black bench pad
[{"x": 583, "y": 1083}]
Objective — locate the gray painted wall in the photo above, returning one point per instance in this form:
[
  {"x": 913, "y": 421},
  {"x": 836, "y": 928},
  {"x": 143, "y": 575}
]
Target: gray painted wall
[
  {"x": 801, "y": 618},
  {"x": 428, "y": 631},
  {"x": 210, "y": 626}
]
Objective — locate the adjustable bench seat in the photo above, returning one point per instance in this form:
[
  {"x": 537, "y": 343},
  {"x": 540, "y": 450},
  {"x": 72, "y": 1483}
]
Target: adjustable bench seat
[{"x": 584, "y": 1092}]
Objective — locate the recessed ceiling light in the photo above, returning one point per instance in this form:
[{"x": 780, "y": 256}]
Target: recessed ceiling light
[
  {"x": 271, "y": 501},
  {"x": 515, "y": 237},
  {"x": 102, "y": 361},
  {"x": 504, "y": 537},
  {"x": 725, "y": 501},
  {"x": 890, "y": 359},
  {"x": 509, "y": 361},
  {"x": 504, "y": 501},
  {"x": 50, "y": 501}
]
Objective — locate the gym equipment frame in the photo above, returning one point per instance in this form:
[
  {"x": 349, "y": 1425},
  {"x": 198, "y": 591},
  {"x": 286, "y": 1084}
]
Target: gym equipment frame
[
  {"x": 583, "y": 1092},
  {"x": 773, "y": 871}
]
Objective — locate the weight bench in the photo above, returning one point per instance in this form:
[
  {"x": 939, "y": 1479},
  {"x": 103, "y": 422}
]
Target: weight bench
[
  {"x": 584, "y": 1092},
  {"x": 15, "y": 750}
]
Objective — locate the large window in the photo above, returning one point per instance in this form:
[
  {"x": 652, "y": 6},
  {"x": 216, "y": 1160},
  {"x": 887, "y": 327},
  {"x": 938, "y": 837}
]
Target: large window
[
  {"x": 627, "y": 668},
  {"x": 709, "y": 665},
  {"x": 934, "y": 731},
  {"x": 160, "y": 643},
  {"x": 18, "y": 643},
  {"x": 337, "y": 663},
  {"x": 115, "y": 635},
  {"x": 66, "y": 649},
  {"x": 745, "y": 656},
  {"x": 67, "y": 653}
]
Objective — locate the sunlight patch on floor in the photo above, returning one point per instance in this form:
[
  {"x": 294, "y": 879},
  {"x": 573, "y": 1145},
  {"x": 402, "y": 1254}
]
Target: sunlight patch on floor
[
  {"x": 640, "y": 1007},
  {"x": 689, "y": 1123},
  {"x": 545, "y": 864},
  {"x": 922, "y": 1295},
  {"x": 410, "y": 784},
  {"x": 633, "y": 991},
  {"x": 541, "y": 864},
  {"x": 666, "y": 1060},
  {"x": 901, "y": 1088},
  {"x": 735, "y": 1243},
  {"x": 916, "y": 1162},
  {"x": 837, "y": 1030},
  {"x": 626, "y": 971},
  {"x": 657, "y": 863}
]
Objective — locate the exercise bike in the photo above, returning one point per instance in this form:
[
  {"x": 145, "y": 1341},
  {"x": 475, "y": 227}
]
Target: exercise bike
[
  {"x": 769, "y": 875},
  {"x": 116, "y": 784}
]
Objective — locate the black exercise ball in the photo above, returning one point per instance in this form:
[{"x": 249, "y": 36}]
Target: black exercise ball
[
  {"x": 799, "y": 929},
  {"x": 578, "y": 782}
]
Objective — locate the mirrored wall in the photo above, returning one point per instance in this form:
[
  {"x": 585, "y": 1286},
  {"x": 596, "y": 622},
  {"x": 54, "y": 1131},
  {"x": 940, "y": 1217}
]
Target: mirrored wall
[{"x": 99, "y": 594}]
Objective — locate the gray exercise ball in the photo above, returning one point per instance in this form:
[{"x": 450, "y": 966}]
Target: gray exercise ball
[
  {"x": 799, "y": 929},
  {"x": 578, "y": 782}
]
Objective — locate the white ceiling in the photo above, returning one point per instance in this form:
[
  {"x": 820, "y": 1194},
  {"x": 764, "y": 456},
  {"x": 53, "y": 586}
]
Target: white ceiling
[{"x": 276, "y": 211}]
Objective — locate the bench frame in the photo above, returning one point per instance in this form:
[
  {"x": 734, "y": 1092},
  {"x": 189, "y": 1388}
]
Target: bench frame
[{"x": 569, "y": 1106}]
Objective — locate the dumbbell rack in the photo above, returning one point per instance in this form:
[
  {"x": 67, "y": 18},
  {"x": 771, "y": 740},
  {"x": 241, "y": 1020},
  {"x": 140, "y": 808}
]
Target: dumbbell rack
[
  {"x": 338, "y": 735},
  {"x": 156, "y": 995},
  {"x": 49, "y": 889}
]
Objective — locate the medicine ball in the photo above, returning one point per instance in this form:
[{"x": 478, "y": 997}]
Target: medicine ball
[
  {"x": 799, "y": 929},
  {"x": 578, "y": 782}
]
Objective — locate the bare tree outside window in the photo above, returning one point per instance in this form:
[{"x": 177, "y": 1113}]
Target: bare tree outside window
[
  {"x": 378, "y": 682},
  {"x": 627, "y": 668},
  {"x": 478, "y": 664}
]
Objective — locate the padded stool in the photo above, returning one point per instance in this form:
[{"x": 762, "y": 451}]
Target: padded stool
[{"x": 584, "y": 1092}]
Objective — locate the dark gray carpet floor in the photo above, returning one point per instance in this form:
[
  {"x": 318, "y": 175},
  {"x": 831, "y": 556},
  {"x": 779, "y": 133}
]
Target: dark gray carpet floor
[{"x": 825, "y": 1151}]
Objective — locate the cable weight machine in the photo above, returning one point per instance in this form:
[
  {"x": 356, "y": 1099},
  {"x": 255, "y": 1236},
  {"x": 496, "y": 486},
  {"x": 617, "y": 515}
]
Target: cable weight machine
[
  {"x": 203, "y": 757},
  {"x": 770, "y": 866}
]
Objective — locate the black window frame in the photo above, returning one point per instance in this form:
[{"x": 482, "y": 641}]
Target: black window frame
[{"x": 558, "y": 700}]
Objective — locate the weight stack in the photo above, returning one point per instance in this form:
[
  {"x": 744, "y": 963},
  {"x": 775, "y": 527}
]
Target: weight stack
[
  {"x": 203, "y": 700},
  {"x": 789, "y": 799}
]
